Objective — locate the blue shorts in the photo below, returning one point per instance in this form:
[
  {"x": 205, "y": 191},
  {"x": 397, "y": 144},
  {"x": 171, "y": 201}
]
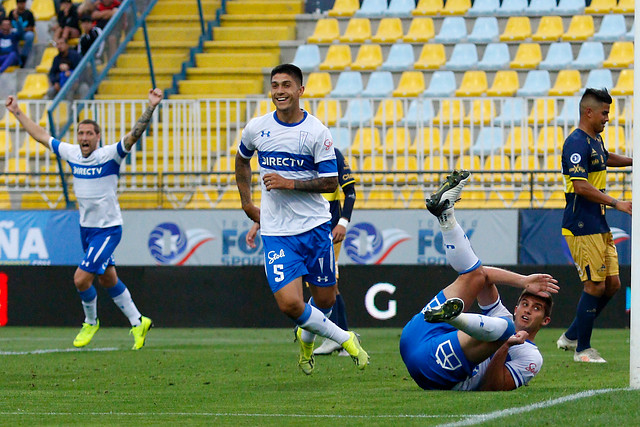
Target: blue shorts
[
  {"x": 98, "y": 245},
  {"x": 308, "y": 255},
  {"x": 432, "y": 354}
]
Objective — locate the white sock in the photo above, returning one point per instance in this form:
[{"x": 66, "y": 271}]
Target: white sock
[
  {"x": 90, "y": 311},
  {"x": 460, "y": 255},
  {"x": 483, "y": 328},
  {"x": 319, "y": 324},
  {"x": 126, "y": 305},
  {"x": 447, "y": 219}
]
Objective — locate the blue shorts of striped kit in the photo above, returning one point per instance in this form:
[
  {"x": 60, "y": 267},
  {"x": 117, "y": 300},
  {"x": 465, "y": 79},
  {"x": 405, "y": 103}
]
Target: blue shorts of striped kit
[{"x": 98, "y": 245}]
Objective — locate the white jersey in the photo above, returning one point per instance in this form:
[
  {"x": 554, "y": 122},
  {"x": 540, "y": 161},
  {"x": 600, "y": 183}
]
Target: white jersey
[
  {"x": 523, "y": 361},
  {"x": 95, "y": 181},
  {"x": 301, "y": 151}
]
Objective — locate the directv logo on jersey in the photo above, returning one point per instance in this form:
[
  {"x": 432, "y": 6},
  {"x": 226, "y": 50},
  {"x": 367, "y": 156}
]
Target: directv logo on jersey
[
  {"x": 80, "y": 171},
  {"x": 281, "y": 161}
]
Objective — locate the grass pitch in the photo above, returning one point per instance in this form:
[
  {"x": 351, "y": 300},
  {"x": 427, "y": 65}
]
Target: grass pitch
[{"x": 250, "y": 377}]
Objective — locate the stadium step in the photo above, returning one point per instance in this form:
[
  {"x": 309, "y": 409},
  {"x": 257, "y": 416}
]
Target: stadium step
[
  {"x": 203, "y": 88},
  {"x": 185, "y": 33},
  {"x": 161, "y": 60},
  {"x": 252, "y": 60},
  {"x": 278, "y": 32},
  {"x": 183, "y": 10},
  {"x": 234, "y": 47},
  {"x": 249, "y": 21},
  {"x": 265, "y": 7}
]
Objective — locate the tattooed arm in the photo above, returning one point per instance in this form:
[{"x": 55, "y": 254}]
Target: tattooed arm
[{"x": 155, "y": 96}]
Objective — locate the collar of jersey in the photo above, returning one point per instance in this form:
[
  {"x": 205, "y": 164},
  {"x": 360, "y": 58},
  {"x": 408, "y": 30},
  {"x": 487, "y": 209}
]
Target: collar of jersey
[{"x": 275, "y": 117}]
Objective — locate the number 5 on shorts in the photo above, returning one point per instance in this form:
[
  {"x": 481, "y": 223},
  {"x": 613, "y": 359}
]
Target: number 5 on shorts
[{"x": 277, "y": 271}]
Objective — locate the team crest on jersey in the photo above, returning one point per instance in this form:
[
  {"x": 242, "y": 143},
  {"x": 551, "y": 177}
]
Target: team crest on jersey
[
  {"x": 328, "y": 144},
  {"x": 170, "y": 245},
  {"x": 575, "y": 158},
  {"x": 303, "y": 139},
  {"x": 533, "y": 368}
]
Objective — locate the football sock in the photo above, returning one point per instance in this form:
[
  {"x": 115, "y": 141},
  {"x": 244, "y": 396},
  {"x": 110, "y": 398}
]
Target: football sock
[
  {"x": 122, "y": 298},
  {"x": 459, "y": 253},
  {"x": 315, "y": 322},
  {"x": 90, "y": 305},
  {"x": 585, "y": 316},
  {"x": 602, "y": 302},
  {"x": 339, "y": 314},
  {"x": 572, "y": 332},
  {"x": 484, "y": 328}
]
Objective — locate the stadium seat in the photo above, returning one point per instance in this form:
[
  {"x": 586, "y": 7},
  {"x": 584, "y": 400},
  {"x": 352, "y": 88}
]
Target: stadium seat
[
  {"x": 528, "y": 55},
  {"x": 484, "y": 8},
  {"x": 512, "y": 8},
  {"x": 389, "y": 111},
  {"x": 543, "y": 111},
  {"x": 552, "y": 163},
  {"x": 482, "y": 111},
  {"x": 349, "y": 85},
  {"x": 495, "y": 57},
  {"x": 428, "y": 141},
  {"x": 625, "y": 6},
  {"x": 556, "y": 200},
  {"x": 474, "y": 83},
  {"x": 620, "y": 56},
  {"x": 456, "y": 7},
  {"x": 485, "y": 30},
  {"x": 559, "y": 57},
  {"x": 380, "y": 199},
  {"x": 47, "y": 60},
  {"x": 453, "y": 30},
  {"x": 419, "y": 111},
  {"x": 537, "y": 83},
  {"x": 590, "y": 56},
  {"x": 371, "y": 9},
  {"x": 326, "y": 31},
  {"x": 431, "y": 57},
  {"x": 600, "y": 6},
  {"x": 366, "y": 141},
  {"x": 599, "y": 79},
  {"x": 488, "y": 141},
  {"x": 401, "y": 8},
  {"x": 550, "y": 29},
  {"x": 518, "y": 28},
  {"x": 371, "y": 165},
  {"x": 428, "y": 7},
  {"x": 612, "y": 28},
  {"x": 358, "y": 31},
  {"x": 389, "y": 31},
  {"x": 613, "y": 138},
  {"x": 369, "y": 57},
  {"x": 307, "y": 57},
  {"x": 457, "y": 142},
  {"x": 397, "y": 141},
  {"x": 411, "y": 84},
  {"x": 35, "y": 86},
  {"x": 550, "y": 140},
  {"x": 463, "y": 57},
  {"x": 471, "y": 163},
  {"x": 328, "y": 111},
  {"x": 451, "y": 111},
  {"x": 407, "y": 167},
  {"x": 567, "y": 83},
  {"x": 442, "y": 84},
  {"x": 421, "y": 30},
  {"x": 505, "y": 83},
  {"x": 630, "y": 34},
  {"x": 570, "y": 113},
  {"x": 627, "y": 113},
  {"x": 624, "y": 86},
  {"x": 344, "y": 8},
  {"x": 359, "y": 112},
  {"x": 519, "y": 140},
  {"x": 541, "y": 7},
  {"x": 496, "y": 163},
  {"x": 435, "y": 163},
  {"x": 511, "y": 112},
  {"x": 580, "y": 28},
  {"x": 341, "y": 137},
  {"x": 380, "y": 85},
  {"x": 474, "y": 196},
  {"x": 525, "y": 163},
  {"x": 400, "y": 58},
  {"x": 318, "y": 85},
  {"x": 570, "y": 7},
  {"x": 43, "y": 10},
  {"x": 338, "y": 57}
]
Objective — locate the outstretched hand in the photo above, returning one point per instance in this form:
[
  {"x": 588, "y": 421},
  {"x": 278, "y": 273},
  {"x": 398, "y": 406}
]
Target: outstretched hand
[
  {"x": 541, "y": 283},
  {"x": 155, "y": 96}
]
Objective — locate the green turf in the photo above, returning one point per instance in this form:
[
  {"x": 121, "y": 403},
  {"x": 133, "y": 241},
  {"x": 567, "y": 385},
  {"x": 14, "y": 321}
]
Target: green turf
[{"x": 250, "y": 377}]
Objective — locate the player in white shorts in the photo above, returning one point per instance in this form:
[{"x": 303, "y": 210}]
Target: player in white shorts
[
  {"x": 95, "y": 173},
  {"x": 297, "y": 163}
]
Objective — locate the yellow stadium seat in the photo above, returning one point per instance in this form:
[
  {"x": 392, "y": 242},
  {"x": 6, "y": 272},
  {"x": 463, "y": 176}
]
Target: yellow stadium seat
[
  {"x": 438, "y": 164},
  {"x": 43, "y": 10},
  {"x": 500, "y": 199},
  {"x": 473, "y": 198},
  {"x": 328, "y": 112},
  {"x": 520, "y": 140},
  {"x": 318, "y": 85},
  {"x": 389, "y": 111},
  {"x": 556, "y": 200},
  {"x": 625, "y": 6},
  {"x": 496, "y": 163},
  {"x": 230, "y": 199},
  {"x": 406, "y": 165},
  {"x": 528, "y": 55},
  {"x": 389, "y": 31},
  {"x": 358, "y": 31},
  {"x": 481, "y": 112},
  {"x": 456, "y": 7},
  {"x": 369, "y": 57},
  {"x": 43, "y": 200},
  {"x": 32, "y": 148},
  {"x": 366, "y": 141},
  {"x": 5, "y": 200},
  {"x": 8, "y": 119},
  {"x": 380, "y": 199},
  {"x": 627, "y": 112},
  {"x": 428, "y": 7},
  {"x": 567, "y": 83},
  {"x": 338, "y": 57},
  {"x": 621, "y": 55},
  {"x": 411, "y": 199},
  {"x": 543, "y": 111},
  {"x": 432, "y": 57},
  {"x": 373, "y": 164},
  {"x": 505, "y": 83},
  {"x": 525, "y": 163},
  {"x": 552, "y": 163},
  {"x": 16, "y": 166},
  {"x": 35, "y": 86},
  {"x": 474, "y": 83},
  {"x": 518, "y": 28},
  {"x": 47, "y": 59},
  {"x": 624, "y": 85},
  {"x": 580, "y": 28},
  {"x": 550, "y": 140},
  {"x": 458, "y": 142},
  {"x": 203, "y": 198},
  {"x": 411, "y": 84},
  {"x": 471, "y": 163},
  {"x": 427, "y": 141},
  {"x": 263, "y": 107},
  {"x": 451, "y": 111},
  {"x": 613, "y": 138},
  {"x": 397, "y": 140},
  {"x": 421, "y": 30},
  {"x": 600, "y": 6},
  {"x": 5, "y": 143},
  {"x": 326, "y": 31},
  {"x": 550, "y": 29},
  {"x": 344, "y": 8}
]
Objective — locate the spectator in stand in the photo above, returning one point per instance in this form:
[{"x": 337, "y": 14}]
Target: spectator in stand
[
  {"x": 71, "y": 58},
  {"x": 68, "y": 26},
  {"x": 9, "y": 39},
  {"x": 22, "y": 20},
  {"x": 104, "y": 11},
  {"x": 90, "y": 34},
  {"x": 87, "y": 7},
  {"x": 3, "y": 13}
]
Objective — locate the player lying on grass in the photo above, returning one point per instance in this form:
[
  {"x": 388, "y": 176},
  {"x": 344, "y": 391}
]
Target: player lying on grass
[{"x": 446, "y": 348}]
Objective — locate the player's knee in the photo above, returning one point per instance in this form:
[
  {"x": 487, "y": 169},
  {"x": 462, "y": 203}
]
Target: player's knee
[
  {"x": 292, "y": 309},
  {"x": 612, "y": 285}
]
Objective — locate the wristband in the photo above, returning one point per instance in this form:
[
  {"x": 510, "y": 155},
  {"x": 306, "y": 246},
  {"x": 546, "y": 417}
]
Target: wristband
[{"x": 343, "y": 222}]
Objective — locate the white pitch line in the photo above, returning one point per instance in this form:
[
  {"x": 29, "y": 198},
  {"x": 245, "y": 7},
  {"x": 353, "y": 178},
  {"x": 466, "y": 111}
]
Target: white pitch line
[
  {"x": 56, "y": 350},
  {"x": 228, "y": 414},
  {"x": 481, "y": 418}
]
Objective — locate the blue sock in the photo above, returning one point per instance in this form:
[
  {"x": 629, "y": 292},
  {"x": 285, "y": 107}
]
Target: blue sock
[
  {"x": 117, "y": 289},
  {"x": 585, "y": 316},
  {"x": 602, "y": 302},
  {"x": 572, "y": 332},
  {"x": 88, "y": 295}
]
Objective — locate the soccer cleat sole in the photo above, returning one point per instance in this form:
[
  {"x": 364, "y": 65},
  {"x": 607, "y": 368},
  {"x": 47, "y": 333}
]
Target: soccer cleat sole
[
  {"x": 435, "y": 203},
  {"x": 448, "y": 310}
]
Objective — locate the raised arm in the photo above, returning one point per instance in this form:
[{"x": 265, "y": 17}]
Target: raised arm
[
  {"x": 36, "y": 131},
  {"x": 155, "y": 96},
  {"x": 534, "y": 283}
]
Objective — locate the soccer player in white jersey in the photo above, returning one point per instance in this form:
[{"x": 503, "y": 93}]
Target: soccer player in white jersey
[
  {"x": 446, "y": 348},
  {"x": 297, "y": 163},
  {"x": 95, "y": 173}
]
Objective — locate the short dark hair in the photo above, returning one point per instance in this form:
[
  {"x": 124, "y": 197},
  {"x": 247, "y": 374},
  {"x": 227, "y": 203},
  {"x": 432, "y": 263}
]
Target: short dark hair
[
  {"x": 593, "y": 94},
  {"x": 289, "y": 69},
  {"x": 548, "y": 301},
  {"x": 96, "y": 126},
  {"x": 86, "y": 17},
  {"x": 21, "y": 1}
]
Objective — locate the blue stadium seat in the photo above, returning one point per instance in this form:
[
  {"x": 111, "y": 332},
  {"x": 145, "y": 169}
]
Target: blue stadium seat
[
  {"x": 401, "y": 8},
  {"x": 442, "y": 85},
  {"x": 559, "y": 57},
  {"x": 537, "y": 83},
  {"x": 307, "y": 57},
  {"x": 341, "y": 137},
  {"x": 484, "y": 8},
  {"x": 463, "y": 57},
  {"x": 349, "y": 85},
  {"x": 380, "y": 85},
  {"x": 485, "y": 30},
  {"x": 453, "y": 30},
  {"x": 420, "y": 110},
  {"x": 570, "y": 7},
  {"x": 511, "y": 111},
  {"x": 496, "y": 57},
  {"x": 612, "y": 28},
  {"x": 590, "y": 56},
  {"x": 629, "y": 34},
  {"x": 570, "y": 113},
  {"x": 512, "y": 8},
  {"x": 489, "y": 140},
  {"x": 400, "y": 58},
  {"x": 599, "y": 79},
  {"x": 359, "y": 111},
  {"x": 372, "y": 8},
  {"x": 541, "y": 7}
]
